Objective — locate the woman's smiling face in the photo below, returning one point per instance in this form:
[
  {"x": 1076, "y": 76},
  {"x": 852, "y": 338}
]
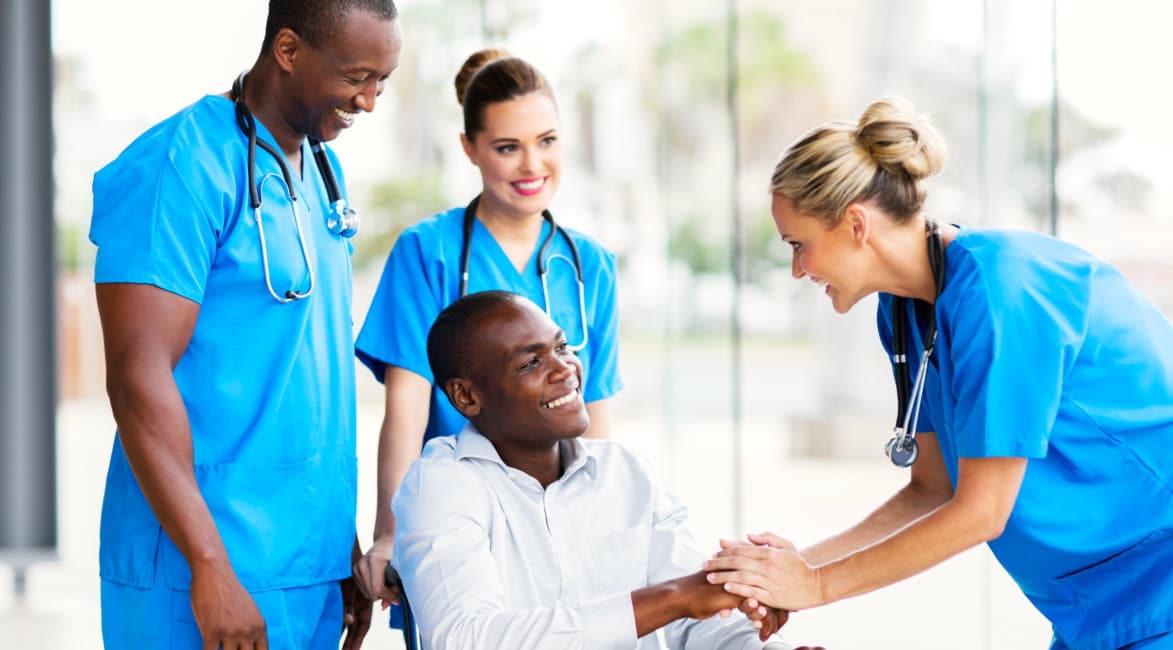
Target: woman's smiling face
[
  {"x": 830, "y": 257},
  {"x": 519, "y": 154}
]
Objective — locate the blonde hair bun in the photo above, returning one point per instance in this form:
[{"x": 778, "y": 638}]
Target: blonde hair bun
[
  {"x": 472, "y": 65},
  {"x": 899, "y": 140}
]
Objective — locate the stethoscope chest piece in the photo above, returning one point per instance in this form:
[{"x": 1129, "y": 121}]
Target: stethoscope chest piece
[
  {"x": 343, "y": 220},
  {"x": 903, "y": 452}
]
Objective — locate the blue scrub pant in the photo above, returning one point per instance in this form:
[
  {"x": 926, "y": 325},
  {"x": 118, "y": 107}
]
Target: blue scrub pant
[
  {"x": 1161, "y": 642},
  {"x": 303, "y": 618}
]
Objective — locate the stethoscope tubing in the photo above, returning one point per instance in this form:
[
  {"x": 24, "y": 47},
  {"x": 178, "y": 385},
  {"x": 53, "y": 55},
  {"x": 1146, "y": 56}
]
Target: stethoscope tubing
[
  {"x": 342, "y": 220},
  {"x": 902, "y": 448},
  {"x": 543, "y": 265}
]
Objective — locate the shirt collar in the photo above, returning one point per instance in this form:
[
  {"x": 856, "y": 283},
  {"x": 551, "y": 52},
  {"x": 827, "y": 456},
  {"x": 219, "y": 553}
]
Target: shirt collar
[{"x": 576, "y": 456}]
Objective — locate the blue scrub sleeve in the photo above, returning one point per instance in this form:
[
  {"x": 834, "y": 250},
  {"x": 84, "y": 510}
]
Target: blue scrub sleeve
[
  {"x": 405, "y": 305},
  {"x": 1008, "y": 351},
  {"x": 603, "y": 380},
  {"x": 150, "y": 228},
  {"x": 924, "y": 421}
]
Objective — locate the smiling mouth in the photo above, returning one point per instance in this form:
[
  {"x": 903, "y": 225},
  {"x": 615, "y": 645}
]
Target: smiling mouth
[
  {"x": 562, "y": 401},
  {"x": 529, "y": 186},
  {"x": 346, "y": 117}
]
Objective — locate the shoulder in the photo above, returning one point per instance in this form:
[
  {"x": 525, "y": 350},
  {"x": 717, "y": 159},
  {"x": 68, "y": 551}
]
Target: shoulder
[
  {"x": 991, "y": 260},
  {"x": 591, "y": 249},
  {"x": 616, "y": 463},
  {"x": 441, "y": 227},
  {"x": 439, "y": 465},
  {"x": 182, "y": 141},
  {"x": 439, "y": 485}
]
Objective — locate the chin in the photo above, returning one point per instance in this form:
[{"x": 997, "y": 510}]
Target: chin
[{"x": 580, "y": 427}]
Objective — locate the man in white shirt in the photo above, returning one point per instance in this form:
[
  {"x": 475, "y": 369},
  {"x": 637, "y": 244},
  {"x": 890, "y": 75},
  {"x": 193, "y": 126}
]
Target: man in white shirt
[{"x": 518, "y": 534}]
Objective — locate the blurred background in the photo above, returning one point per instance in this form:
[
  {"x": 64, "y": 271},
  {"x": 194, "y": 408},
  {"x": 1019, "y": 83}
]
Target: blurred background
[{"x": 752, "y": 399}]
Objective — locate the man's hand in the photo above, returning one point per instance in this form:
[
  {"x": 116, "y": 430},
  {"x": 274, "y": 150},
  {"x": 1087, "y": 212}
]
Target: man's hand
[
  {"x": 369, "y": 569},
  {"x": 766, "y": 620},
  {"x": 225, "y": 613},
  {"x": 356, "y": 609}
]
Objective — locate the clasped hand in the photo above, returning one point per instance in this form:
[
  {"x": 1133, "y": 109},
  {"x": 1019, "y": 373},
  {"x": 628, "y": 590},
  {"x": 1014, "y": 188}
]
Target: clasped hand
[{"x": 768, "y": 569}]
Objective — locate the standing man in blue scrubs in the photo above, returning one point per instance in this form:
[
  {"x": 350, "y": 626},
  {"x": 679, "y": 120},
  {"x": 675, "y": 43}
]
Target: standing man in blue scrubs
[
  {"x": 1047, "y": 416},
  {"x": 229, "y": 513}
]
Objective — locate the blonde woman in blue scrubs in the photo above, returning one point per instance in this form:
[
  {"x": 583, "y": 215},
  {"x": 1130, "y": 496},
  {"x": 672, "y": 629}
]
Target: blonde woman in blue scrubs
[
  {"x": 1046, "y": 426},
  {"x": 512, "y": 134}
]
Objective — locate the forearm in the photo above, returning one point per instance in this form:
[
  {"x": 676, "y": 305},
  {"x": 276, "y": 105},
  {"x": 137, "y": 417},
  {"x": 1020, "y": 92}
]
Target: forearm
[
  {"x": 156, "y": 436},
  {"x": 600, "y": 415},
  {"x": 947, "y": 531},
  {"x": 657, "y": 605},
  {"x": 399, "y": 446},
  {"x": 407, "y": 398},
  {"x": 906, "y": 506},
  {"x": 690, "y": 596}
]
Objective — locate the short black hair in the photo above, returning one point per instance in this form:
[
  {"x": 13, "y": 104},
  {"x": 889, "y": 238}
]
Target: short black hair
[
  {"x": 452, "y": 333},
  {"x": 317, "y": 20}
]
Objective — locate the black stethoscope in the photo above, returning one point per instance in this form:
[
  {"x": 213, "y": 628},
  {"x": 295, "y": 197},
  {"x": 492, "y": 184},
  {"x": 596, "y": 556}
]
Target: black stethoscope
[
  {"x": 543, "y": 264},
  {"x": 342, "y": 220},
  {"x": 902, "y": 449}
]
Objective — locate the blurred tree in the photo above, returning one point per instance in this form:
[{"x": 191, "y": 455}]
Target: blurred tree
[
  {"x": 777, "y": 88},
  {"x": 396, "y": 204}
]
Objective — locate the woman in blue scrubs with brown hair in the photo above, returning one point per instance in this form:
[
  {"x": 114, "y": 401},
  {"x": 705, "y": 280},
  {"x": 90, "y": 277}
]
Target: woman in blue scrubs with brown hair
[
  {"x": 1046, "y": 422},
  {"x": 504, "y": 239}
]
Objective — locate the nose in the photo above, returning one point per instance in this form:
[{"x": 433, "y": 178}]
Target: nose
[
  {"x": 563, "y": 367},
  {"x": 366, "y": 99},
  {"x": 796, "y": 267},
  {"x": 529, "y": 160}
]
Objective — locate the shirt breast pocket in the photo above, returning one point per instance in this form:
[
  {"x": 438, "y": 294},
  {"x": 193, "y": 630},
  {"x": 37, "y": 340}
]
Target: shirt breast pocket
[{"x": 619, "y": 560}]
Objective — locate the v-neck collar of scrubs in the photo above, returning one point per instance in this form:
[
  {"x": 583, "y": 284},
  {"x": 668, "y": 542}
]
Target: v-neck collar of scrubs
[{"x": 501, "y": 258}]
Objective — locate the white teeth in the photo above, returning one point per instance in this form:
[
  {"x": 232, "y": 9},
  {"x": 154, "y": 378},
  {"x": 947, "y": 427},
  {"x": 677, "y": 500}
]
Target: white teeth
[
  {"x": 530, "y": 185},
  {"x": 344, "y": 115},
  {"x": 566, "y": 399}
]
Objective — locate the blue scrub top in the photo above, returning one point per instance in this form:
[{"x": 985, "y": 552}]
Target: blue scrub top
[
  {"x": 421, "y": 278},
  {"x": 269, "y": 387},
  {"x": 1047, "y": 353}
]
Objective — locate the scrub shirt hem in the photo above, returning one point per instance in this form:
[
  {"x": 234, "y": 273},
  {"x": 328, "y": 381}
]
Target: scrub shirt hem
[{"x": 193, "y": 294}]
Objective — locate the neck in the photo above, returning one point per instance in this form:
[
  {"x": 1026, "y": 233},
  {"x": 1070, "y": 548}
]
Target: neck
[
  {"x": 905, "y": 254},
  {"x": 543, "y": 463},
  {"x": 506, "y": 225},
  {"x": 261, "y": 96}
]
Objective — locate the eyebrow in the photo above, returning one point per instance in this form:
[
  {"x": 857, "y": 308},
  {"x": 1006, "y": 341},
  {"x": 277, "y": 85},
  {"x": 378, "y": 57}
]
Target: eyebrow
[
  {"x": 512, "y": 140},
  {"x": 526, "y": 350}
]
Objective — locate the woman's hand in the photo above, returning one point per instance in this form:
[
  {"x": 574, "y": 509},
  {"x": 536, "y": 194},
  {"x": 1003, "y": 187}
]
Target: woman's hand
[{"x": 769, "y": 570}]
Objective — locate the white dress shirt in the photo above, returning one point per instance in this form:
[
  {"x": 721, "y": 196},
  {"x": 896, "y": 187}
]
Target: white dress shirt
[{"x": 491, "y": 560}]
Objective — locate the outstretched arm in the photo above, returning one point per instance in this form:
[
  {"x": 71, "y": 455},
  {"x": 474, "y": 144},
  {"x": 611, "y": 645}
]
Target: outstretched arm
[
  {"x": 986, "y": 491},
  {"x": 146, "y": 331},
  {"x": 928, "y": 488}
]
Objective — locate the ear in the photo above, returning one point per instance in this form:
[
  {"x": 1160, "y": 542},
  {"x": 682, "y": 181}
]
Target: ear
[
  {"x": 858, "y": 219},
  {"x": 468, "y": 148},
  {"x": 285, "y": 46},
  {"x": 463, "y": 395}
]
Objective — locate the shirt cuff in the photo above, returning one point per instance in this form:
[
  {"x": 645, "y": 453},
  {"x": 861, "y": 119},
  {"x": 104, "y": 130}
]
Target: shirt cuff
[{"x": 608, "y": 622}]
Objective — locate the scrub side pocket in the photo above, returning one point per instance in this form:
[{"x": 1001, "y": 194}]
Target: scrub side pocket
[{"x": 1126, "y": 597}]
